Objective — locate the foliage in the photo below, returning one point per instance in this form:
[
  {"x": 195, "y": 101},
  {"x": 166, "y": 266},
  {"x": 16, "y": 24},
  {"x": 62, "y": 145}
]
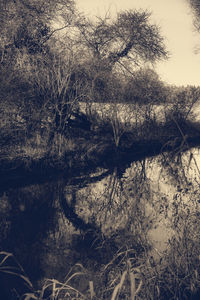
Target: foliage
[
  {"x": 51, "y": 73},
  {"x": 27, "y": 30},
  {"x": 112, "y": 41},
  {"x": 27, "y": 24},
  {"x": 181, "y": 102},
  {"x": 108, "y": 45},
  {"x": 196, "y": 10},
  {"x": 145, "y": 87}
]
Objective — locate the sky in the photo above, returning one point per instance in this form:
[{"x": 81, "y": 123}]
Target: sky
[{"x": 176, "y": 25}]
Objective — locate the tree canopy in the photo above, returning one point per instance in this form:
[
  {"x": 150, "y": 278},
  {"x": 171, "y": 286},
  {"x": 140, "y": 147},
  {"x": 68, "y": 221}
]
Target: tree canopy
[
  {"x": 195, "y": 5},
  {"x": 28, "y": 24},
  {"x": 86, "y": 62},
  {"x": 130, "y": 36},
  {"x": 145, "y": 87}
]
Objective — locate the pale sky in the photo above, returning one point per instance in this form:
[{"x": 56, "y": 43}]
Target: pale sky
[{"x": 175, "y": 21}]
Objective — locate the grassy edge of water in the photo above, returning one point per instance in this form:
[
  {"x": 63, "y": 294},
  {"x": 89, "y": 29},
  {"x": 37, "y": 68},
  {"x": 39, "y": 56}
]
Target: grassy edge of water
[
  {"x": 129, "y": 274},
  {"x": 149, "y": 281}
]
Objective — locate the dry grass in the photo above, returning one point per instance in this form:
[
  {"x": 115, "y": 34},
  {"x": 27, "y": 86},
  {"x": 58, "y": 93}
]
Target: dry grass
[{"x": 129, "y": 276}]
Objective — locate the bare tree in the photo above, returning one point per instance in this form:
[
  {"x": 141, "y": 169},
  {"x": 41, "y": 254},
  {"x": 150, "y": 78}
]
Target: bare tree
[
  {"x": 56, "y": 89},
  {"x": 130, "y": 36}
]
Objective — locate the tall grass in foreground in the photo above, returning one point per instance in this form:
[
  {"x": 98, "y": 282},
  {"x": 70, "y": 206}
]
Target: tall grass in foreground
[
  {"x": 15, "y": 275},
  {"x": 52, "y": 289},
  {"x": 174, "y": 275},
  {"x": 59, "y": 290}
]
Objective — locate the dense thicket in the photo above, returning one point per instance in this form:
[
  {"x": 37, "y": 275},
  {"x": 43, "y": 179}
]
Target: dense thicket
[
  {"x": 49, "y": 53},
  {"x": 53, "y": 58}
]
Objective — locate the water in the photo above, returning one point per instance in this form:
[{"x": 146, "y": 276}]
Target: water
[
  {"x": 46, "y": 225},
  {"x": 159, "y": 187}
]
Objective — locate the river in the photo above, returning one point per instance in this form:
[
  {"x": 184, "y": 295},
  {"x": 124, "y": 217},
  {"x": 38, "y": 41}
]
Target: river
[{"x": 46, "y": 225}]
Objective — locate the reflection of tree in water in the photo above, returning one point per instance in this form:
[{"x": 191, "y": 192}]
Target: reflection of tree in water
[
  {"x": 182, "y": 173},
  {"x": 162, "y": 189},
  {"x": 117, "y": 203},
  {"x": 108, "y": 213}
]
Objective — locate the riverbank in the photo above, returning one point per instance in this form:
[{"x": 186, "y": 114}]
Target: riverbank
[{"x": 24, "y": 159}]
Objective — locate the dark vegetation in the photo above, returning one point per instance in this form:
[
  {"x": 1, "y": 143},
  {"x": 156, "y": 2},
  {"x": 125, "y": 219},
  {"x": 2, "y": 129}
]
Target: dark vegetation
[
  {"x": 44, "y": 86},
  {"x": 75, "y": 97}
]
